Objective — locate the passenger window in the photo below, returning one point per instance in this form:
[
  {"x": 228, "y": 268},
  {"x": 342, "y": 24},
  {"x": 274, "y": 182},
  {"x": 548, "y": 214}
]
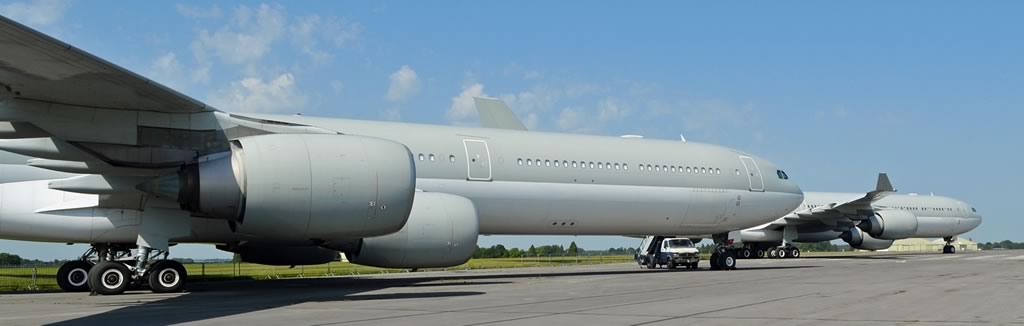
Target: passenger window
[
  {"x": 547, "y": 163},
  {"x": 451, "y": 158},
  {"x": 599, "y": 165},
  {"x": 703, "y": 171},
  {"x": 565, "y": 163},
  {"x": 421, "y": 157},
  {"x": 431, "y": 157},
  {"x": 641, "y": 167},
  {"x": 556, "y": 164},
  {"x": 718, "y": 171},
  {"x": 737, "y": 171},
  {"x": 673, "y": 169},
  {"x": 573, "y": 163},
  {"x": 591, "y": 165},
  {"x": 616, "y": 166},
  {"x": 529, "y": 162},
  {"x": 520, "y": 161},
  {"x": 625, "y": 166},
  {"x": 657, "y": 168},
  {"x": 688, "y": 170}
]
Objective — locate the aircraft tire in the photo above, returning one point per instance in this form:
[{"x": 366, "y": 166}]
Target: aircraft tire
[
  {"x": 746, "y": 253},
  {"x": 109, "y": 278},
  {"x": 73, "y": 276},
  {"x": 166, "y": 276}
]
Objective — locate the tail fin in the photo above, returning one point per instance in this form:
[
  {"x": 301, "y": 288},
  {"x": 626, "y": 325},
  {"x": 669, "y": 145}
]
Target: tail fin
[
  {"x": 883, "y": 183},
  {"x": 495, "y": 114}
]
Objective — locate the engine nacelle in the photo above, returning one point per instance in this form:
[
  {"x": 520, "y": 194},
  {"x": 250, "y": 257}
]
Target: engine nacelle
[
  {"x": 890, "y": 225},
  {"x": 441, "y": 232},
  {"x": 283, "y": 255},
  {"x": 857, "y": 239},
  {"x": 289, "y": 187}
]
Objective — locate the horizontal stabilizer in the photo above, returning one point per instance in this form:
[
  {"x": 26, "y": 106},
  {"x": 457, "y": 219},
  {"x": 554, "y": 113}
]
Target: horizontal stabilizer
[{"x": 495, "y": 114}]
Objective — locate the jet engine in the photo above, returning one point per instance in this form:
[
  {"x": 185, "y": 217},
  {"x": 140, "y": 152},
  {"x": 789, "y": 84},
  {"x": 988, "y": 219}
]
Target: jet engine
[
  {"x": 890, "y": 225},
  {"x": 860, "y": 240},
  {"x": 295, "y": 187},
  {"x": 441, "y": 232},
  {"x": 283, "y": 255}
]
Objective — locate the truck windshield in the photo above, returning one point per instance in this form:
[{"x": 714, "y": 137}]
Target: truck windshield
[{"x": 680, "y": 243}]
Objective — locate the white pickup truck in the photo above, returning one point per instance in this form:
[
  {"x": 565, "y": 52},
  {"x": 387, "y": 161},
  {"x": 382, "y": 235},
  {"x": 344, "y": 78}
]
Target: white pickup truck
[{"x": 670, "y": 252}]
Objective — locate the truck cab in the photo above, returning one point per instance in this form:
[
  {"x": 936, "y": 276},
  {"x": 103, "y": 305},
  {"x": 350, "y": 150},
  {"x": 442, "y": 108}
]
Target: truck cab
[{"x": 657, "y": 251}]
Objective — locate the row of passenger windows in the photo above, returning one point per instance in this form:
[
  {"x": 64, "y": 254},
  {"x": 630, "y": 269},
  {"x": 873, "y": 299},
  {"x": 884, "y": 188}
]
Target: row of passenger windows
[
  {"x": 618, "y": 166},
  {"x": 574, "y": 164},
  {"x": 906, "y": 208},
  {"x": 432, "y": 158},
  {"x": 680, "y": 169}
]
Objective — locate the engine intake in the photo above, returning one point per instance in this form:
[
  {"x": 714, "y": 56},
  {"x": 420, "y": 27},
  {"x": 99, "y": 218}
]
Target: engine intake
[
  {"x": 300, "y": 187},
  {"x": 890, "y": 225}
]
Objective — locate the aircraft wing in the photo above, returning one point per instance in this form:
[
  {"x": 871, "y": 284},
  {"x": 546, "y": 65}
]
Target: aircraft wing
[
  {"x": 495, "y": 114},
  {"x": 34, "y": 66},
  {"x": 854, "y": 209}
]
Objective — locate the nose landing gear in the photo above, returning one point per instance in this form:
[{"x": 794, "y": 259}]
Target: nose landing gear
[{"x": 949, "y": 248}]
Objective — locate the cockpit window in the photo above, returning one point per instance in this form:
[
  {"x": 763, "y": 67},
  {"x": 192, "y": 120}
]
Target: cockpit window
[
  {"x": 782, "y": 174},
  {"x": 974, "y": 210}
]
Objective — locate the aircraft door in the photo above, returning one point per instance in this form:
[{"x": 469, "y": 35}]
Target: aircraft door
[
  {"x": 478, "y": 160},
  {"x": 753, "y": 173}
]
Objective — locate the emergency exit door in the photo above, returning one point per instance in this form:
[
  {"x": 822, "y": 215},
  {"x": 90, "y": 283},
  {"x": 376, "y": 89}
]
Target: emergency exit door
[
  {"x": 478, "y": 160},
  {"x": 753, "y": 173}
]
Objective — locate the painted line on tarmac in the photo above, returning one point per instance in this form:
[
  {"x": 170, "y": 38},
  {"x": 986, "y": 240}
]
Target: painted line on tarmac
[
  {"x": 947, "y": 256},
  {"x": 1021, "y": 257},
  {"x": 985, "y": 257}
]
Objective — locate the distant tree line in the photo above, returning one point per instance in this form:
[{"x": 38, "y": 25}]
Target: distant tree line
[
  {"x": 500, "y": 251},
  {"x": 1005, "y": 244},
  {"x": 7, "y": 259}
]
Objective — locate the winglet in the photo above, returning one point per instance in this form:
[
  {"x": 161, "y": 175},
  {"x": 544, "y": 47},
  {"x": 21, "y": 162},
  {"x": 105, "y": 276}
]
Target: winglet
[
  {"x": 883, "y": 183},
  {"x": 495, "y": 114}
]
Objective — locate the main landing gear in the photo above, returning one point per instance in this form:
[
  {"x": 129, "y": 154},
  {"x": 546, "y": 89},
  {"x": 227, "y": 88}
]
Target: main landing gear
[
  {"x": 112, "y": 269},
  {"x": 754, "y": 251},
  {"x": 949, "y": 248}
]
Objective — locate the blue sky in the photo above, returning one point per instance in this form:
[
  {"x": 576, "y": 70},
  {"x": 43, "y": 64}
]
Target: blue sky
[{"x": 930, "y": 92}]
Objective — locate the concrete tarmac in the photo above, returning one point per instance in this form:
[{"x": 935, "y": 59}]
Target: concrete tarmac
[{"x": 879, "y": 289}]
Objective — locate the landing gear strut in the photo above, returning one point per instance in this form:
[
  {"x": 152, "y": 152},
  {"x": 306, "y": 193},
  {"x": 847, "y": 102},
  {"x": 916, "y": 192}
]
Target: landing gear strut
[
  {"x": 949, "y": 248},
  {"x": 723, "y": 257}
]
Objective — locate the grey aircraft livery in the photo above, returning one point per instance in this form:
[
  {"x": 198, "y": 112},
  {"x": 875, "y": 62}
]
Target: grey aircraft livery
[
  {"x": 870, "y": 221},
  {"x": 112, "y": 159}
]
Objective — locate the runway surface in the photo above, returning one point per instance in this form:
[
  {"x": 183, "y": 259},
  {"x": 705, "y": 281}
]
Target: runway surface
[{"x": 883, "y": 289}]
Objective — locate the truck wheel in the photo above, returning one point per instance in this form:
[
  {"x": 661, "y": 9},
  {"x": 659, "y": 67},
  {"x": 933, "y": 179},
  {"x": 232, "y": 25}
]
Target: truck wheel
[
  {"x": 651, "y": 264},
  {"x": 671, "y": 265}
]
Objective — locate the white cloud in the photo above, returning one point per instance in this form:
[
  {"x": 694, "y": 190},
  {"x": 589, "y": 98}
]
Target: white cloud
[
  {"x": 198, "y": 12},
  {"x": 168, "y": 71},
  {"x": 463, "y": 107},
  {"x": 247, "y": 39},
  {"x": 278, "y": 95},
  {"x": 310, "y": 31},
  {"x": 37, "y": 13},
  {"x": 403, "y": 84},
  {"x": 570, "y": 118},
  {"x": 610, "y": 110}
]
